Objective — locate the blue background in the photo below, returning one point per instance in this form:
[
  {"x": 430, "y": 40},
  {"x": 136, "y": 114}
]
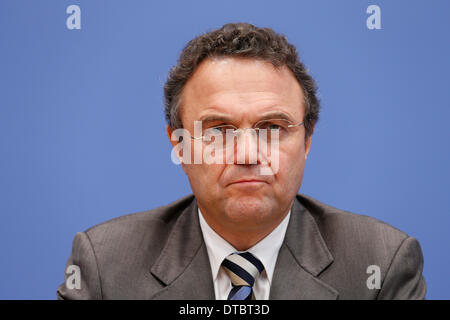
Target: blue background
[{"x": 82, "y": 130}]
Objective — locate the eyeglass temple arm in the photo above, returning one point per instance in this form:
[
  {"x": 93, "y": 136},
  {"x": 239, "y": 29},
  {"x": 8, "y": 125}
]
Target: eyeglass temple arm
[{"x": 296, "y": 125}]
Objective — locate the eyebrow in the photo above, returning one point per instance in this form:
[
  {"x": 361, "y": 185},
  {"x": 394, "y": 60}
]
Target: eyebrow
[
  {"x": 276, "y": 115},
  {"x": 212, "y": 118}
]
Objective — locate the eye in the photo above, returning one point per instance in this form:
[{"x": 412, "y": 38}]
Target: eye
[
  {"x": 222, "y": 129},
  {"x": 274, "y": 126},
  {"x": 217, "y": 130}
]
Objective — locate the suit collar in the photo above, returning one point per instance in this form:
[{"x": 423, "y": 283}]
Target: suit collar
[
  {"x": 183, "y": 265},
  {"x": 302, "y": 257},
  {"x": 305, "y": 241}
]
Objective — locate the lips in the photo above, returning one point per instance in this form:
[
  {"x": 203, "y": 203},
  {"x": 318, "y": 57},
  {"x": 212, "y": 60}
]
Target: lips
[{"x": 248, "y": 181}]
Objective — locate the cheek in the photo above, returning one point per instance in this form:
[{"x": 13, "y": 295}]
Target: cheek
[
  {"x": 291, "y": 167},
  {"x": 204, "y": 177}
]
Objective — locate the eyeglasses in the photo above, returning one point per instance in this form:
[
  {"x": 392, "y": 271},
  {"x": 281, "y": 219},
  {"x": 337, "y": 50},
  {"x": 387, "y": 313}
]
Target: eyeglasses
[{"x": 266, "y": 131}]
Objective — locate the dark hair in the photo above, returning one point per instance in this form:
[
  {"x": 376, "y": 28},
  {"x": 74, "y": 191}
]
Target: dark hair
[{"x": 239, "y": 40}]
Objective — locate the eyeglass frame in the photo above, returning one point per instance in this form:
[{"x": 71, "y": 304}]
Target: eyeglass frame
[{"x": 253, "y": 128}]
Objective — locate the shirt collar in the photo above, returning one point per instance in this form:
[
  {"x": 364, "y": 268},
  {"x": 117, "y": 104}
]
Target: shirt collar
[{"x": 265, "y": 250}]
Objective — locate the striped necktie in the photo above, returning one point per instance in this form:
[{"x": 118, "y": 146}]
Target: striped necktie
[{"x": 242, "y": 268}]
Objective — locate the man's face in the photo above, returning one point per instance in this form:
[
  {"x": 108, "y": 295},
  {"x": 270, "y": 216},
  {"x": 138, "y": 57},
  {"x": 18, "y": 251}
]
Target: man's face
[{"x": 243, "y": 91}]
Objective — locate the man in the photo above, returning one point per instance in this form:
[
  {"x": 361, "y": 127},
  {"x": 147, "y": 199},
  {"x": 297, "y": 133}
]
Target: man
[{"x": 245, "y": 233}]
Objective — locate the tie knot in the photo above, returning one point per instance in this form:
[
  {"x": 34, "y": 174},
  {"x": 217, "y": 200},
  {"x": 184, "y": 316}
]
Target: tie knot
[{"x": 242, "y": 268}]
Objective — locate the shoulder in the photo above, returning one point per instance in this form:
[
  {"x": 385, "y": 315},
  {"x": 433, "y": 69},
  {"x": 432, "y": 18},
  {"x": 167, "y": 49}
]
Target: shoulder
[
  {"x": 354, "y": 240},
  {"x": 115, "y": 256},
  {"x": 150, "y": 226},
  {"x": 358, "y": 243},
  {"x": 334, "y": 222}
]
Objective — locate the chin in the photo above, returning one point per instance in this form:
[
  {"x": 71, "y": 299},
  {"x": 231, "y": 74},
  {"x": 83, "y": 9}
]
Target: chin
[{"x": 247, "y": 209}]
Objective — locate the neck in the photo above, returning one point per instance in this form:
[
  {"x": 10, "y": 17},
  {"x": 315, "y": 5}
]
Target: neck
[{"x": 242, "y": 236}]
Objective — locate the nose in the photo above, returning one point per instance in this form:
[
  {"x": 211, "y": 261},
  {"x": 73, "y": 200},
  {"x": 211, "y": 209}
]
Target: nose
[{"x": 246, "y": 147}]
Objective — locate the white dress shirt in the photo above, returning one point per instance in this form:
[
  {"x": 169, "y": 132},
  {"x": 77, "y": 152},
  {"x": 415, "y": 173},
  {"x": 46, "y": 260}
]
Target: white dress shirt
[{"x": 265, "y": 250}]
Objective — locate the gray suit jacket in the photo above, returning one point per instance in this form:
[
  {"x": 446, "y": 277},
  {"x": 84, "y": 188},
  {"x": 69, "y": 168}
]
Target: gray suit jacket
[{"x": 160, "y": 254}]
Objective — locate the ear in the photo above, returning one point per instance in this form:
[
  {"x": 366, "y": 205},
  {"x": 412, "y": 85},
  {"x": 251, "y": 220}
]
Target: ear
[
  {"x": 308, "y": 144},
  {"x": 169, "y": 131},
  {"x": 307, "y": 147}
]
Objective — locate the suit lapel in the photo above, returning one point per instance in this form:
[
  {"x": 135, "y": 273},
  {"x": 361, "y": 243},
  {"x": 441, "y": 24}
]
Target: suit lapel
[
  {"x": 183, "y": 265},
  {"x": 302, "y": 257}
]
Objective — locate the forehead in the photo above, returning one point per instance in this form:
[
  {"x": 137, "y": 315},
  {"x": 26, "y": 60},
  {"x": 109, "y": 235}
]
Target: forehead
[{"x": 241, "y": 88}]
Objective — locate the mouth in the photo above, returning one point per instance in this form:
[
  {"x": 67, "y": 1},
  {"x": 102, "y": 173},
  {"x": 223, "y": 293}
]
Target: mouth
[{"x": 248, "y": 182}]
